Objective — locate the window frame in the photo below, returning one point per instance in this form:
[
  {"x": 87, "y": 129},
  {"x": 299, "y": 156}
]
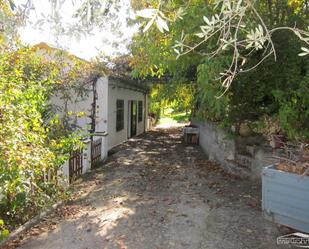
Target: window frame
[{"x": 119, "y": 115}]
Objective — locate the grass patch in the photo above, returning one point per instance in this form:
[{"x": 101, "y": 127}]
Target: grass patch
[{"x": 174, "y": 118}]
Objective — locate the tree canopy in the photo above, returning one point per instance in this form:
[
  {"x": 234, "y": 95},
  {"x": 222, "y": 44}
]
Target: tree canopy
[{"x": 260, "y": 46}]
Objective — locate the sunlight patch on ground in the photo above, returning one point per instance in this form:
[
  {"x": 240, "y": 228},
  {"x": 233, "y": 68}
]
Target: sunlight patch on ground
[
  {"x": 170, "y": 119},
  {"x": 167, "y": 122}
]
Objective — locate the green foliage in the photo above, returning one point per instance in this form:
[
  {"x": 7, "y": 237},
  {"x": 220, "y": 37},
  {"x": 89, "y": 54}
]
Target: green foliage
[
  {"x": 180, "y": 117},
  {"x": 294, "y": 112},
  {"x": 208, "y": 106},
  {"x": 9, "y": 25},
  {"x": 171, "y": 117},
  {"x": 153, "y": 51},
  {"x": 3, "y": 231},
  {"x": 32, "y": 144},
  {"x": 34, "y": 141},
  {"x": 176, "y": 96},
  {"x": 273, "y": 89}
]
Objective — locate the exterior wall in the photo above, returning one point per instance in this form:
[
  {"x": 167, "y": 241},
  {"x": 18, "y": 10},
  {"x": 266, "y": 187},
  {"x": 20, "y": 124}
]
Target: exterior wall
[
  {"x": 102, "y": 113},
  {"x": 75, "y": 104},
  {"x": 87, "y": 156},
  {"x": 108, "y": 91},
  {"x": 116, "y": 91},
  {"x": 243, "y": 156},
  {"x": 65, "y": 171},
  {"x": 84, "y": 104}
]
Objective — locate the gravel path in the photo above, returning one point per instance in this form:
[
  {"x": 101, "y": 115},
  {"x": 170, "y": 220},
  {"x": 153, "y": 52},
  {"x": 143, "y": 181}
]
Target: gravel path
[{"x": 156, "y": 193}]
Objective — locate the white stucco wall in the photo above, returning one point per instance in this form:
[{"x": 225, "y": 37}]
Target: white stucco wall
[
  {"x": 102, "y": 113},
  {"x": 87, "y": 156},
  {"x": 79, "y": 104},
  {"x": 75, "y": 104},
  {"x": 108, "y": 91},
  {"x": 83, "y": 104},
  {"x": 117, "y": 92}
]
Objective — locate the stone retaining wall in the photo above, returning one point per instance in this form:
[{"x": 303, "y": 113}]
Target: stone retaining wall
[{"x": 242, "y": 156}]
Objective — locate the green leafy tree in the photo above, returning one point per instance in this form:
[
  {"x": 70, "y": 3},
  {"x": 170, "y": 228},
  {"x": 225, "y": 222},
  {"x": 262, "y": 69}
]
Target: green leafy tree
[
  {"x": 177, "y": 96},
  {"x": 255, "y": 45}
]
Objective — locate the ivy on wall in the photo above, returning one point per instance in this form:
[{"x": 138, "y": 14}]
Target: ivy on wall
[{"x": 34, "y": 140}]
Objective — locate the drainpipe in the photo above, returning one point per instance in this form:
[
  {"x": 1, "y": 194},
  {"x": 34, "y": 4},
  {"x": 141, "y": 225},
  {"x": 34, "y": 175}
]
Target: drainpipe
[{"x": 93, "y": 111}]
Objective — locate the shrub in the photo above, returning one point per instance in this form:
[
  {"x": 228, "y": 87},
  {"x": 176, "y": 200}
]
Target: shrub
[{"x": 32, "y": 143}]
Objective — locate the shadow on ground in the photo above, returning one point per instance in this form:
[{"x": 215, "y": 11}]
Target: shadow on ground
[{"x": 156, "y": 193}]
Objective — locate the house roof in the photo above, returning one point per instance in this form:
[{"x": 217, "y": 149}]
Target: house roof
[
  {"x": 128, "y": 83},
  {"x": 121, "y": 72},
  {"x": 48, "y": 48}
]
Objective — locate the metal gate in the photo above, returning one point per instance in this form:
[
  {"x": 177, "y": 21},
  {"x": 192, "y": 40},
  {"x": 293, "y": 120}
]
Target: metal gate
[
  {"x": 96, "y": 148},
  {"x": 75, "y": 165}
]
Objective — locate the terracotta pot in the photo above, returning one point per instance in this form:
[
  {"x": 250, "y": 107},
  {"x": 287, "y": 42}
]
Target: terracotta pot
[{"x": 244, "y": 130}]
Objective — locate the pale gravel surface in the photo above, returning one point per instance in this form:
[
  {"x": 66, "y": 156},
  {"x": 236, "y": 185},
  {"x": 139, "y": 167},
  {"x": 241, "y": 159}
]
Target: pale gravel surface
[{"x": 156, "y": 193}]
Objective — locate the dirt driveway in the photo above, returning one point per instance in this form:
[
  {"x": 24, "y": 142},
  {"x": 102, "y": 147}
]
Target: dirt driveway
[{"x": 156, "y": 193}]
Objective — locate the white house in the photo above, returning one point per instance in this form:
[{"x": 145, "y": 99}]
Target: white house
[
  {"x": 127, "y": 110},
  {"x": 113, "y": 109},
  {"x": 121, "y": 112}
]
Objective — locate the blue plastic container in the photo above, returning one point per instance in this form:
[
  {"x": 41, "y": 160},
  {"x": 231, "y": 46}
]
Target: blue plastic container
[{"x": 285, "y": 198}]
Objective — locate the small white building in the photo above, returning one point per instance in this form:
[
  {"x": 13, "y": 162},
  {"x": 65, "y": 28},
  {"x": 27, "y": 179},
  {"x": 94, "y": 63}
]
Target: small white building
[
  {"x": 127, "y": 110},
  {"x": 121, "y": 112},
  {"x": 112, "y": 110}
]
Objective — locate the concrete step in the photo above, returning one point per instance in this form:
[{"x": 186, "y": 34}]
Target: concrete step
[
  {"x": 236, "y": 169},
  {"x": 244, "y": 160}
]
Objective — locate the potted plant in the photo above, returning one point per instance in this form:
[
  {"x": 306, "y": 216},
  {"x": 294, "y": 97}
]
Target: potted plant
[{"x": 285, "y": 189}]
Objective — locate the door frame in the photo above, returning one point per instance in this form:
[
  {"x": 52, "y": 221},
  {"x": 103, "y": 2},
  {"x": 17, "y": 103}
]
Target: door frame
[
  {"x": 129, "y": 120},
  {"x": 131, "y": 104}
]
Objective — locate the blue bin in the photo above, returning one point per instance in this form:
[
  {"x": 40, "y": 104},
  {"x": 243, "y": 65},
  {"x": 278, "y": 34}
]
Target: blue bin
[{"x": 285, "y": 198}]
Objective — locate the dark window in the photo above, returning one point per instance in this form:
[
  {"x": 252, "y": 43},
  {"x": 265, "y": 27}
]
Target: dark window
[
  {"x": 120, "y": 115},
  {"x": 140, "y": 111}
]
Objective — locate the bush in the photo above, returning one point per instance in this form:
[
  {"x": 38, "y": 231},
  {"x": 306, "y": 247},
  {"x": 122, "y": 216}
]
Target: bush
[
  {"x": 3, "y": 231},
  {"x": 32, "y": 143}
]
